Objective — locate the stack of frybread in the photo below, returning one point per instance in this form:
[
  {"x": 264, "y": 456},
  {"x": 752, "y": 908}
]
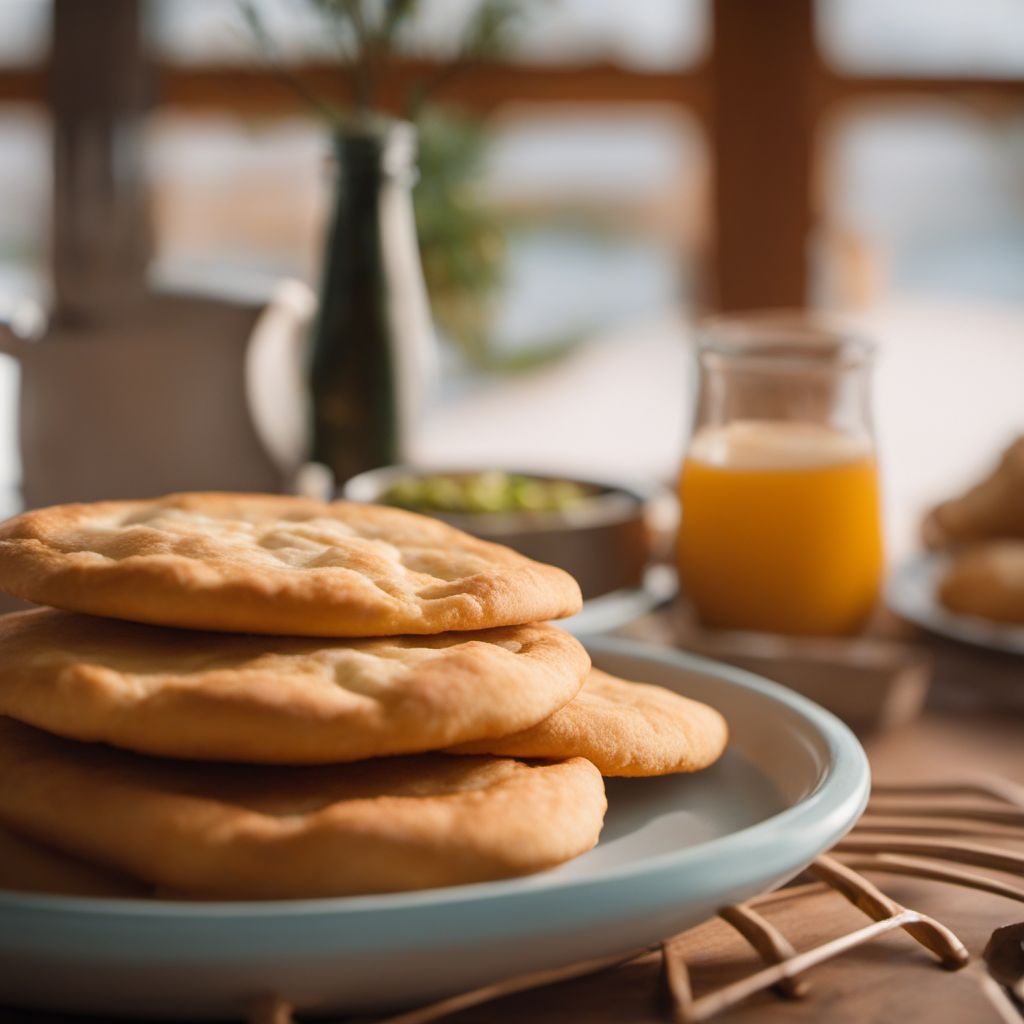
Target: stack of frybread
[{"x": 265, "y": 695}]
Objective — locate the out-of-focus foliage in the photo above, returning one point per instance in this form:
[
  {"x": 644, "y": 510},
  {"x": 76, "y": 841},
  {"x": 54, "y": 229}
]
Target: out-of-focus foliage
[{"x": 462, "y": 243}]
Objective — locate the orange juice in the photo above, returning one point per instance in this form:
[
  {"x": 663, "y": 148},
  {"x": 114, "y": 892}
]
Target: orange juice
[{"x": 780, "y": 529}]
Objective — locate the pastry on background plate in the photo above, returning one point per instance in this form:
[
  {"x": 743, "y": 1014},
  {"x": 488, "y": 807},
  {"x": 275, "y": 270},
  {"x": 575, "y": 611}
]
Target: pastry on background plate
[
  {"x": 629, "y": 729},
  {"x": 991, "y": 509},
  {"x": 274, "y": 564},
  {"x": 279, "y": 700},
  {"x": 986, "y": 580},
  {"x": 217, "y": 831}
]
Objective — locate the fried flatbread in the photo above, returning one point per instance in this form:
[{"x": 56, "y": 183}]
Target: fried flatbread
[
  {"x": 993, "y": 508},
  {"x": 630, "y": 729},
  {"x": 987, "y": 580},
  {"x": 28, "y": 866},
  {"x": 279, "y": 700},
  {"x": 274, "y": 564},
  {"x": 236, "y": 832}
]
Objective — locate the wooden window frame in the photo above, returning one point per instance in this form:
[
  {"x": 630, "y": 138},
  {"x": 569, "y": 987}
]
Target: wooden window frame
[{"x": 762, "y": 94}]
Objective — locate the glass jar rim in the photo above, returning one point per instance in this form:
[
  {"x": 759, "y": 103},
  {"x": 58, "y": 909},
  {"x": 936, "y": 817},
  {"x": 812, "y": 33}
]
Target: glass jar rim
[{"x": 783, "y": 340}]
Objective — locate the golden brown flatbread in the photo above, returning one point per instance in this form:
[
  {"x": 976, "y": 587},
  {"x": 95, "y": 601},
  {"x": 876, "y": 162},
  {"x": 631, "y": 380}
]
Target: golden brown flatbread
[
  {"x": 987, "y": 580},
  {"x": 274, "y": 564},
  {"x": 991, "y": 509},
  {"x": 236, "y": 832},
  {"x": 624, "y": 728},
  {"x": 28, "y": 866},
  {"x": 278, "y": 700}
]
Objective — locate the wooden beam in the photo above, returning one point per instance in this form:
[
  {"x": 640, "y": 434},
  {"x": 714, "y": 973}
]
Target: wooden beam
[
  {"x": 23, "y": 85},
  {"x": 988, "y": 97},
  {"x": 98, "y": 90},
  {"x": 260, "y": 90},
  {"x": 479, "y": 88},
  {"x": 836, "y": 86},
  {"x": 761, "y": 143}
]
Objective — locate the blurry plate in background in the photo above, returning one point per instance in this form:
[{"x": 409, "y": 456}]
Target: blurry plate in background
[
  {"x": 912, "y": 593},
  {"x": 673, "y": 850}
]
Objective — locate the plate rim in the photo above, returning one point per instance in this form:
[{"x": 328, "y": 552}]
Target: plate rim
[{"x": 843, "y": 787}]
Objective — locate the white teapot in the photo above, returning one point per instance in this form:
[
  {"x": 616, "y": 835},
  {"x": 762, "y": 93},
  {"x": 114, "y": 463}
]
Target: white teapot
[{"x": 173, "y": 392}]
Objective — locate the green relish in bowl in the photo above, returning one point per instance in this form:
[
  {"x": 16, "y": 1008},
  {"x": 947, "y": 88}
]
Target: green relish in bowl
[
  {"x": 487, "y": 491},
  {"x": 595, "y": 530}
]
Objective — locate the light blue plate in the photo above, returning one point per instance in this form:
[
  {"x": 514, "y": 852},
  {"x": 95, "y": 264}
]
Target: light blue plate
[{"x": 793, "y": 780}]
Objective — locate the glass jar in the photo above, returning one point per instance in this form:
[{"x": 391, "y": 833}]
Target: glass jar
[{"x": 781, "y": 520}]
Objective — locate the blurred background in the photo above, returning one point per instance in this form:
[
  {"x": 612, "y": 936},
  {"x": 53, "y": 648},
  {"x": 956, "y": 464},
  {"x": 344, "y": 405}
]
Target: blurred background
[{"x": 607, "y": 172}]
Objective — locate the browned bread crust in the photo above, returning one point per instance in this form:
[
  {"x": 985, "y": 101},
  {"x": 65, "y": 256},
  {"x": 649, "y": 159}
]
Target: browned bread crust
[
  {"x": 237, "y": 832},
  {"x": 279, "y": 700},
  {"x": 624, "y": 728},
  {"x": 274, "y": 564}
]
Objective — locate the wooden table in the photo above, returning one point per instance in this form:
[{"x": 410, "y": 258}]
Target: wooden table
[{"x": 973, "y": 722}]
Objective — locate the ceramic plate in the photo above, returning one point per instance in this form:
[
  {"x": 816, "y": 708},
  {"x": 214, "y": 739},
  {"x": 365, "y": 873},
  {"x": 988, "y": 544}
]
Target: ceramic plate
[
  {"x": 911, "y": 593},
  {"x": 793, "y": 780}
]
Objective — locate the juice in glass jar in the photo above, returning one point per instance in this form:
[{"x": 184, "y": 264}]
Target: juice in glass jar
[{"x": 780, "y": 527}]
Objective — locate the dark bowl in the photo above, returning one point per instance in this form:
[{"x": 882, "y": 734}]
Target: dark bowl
[{"x": 603, "y": 541}]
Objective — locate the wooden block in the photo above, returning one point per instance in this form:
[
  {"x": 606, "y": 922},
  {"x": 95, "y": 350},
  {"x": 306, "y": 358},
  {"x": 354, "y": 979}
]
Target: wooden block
[{"x": 869, "y": 682}]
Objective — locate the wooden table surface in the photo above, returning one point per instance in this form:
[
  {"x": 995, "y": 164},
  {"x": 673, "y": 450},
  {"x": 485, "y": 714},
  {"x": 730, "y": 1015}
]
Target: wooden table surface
[{"x": 973, "y": 722}]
